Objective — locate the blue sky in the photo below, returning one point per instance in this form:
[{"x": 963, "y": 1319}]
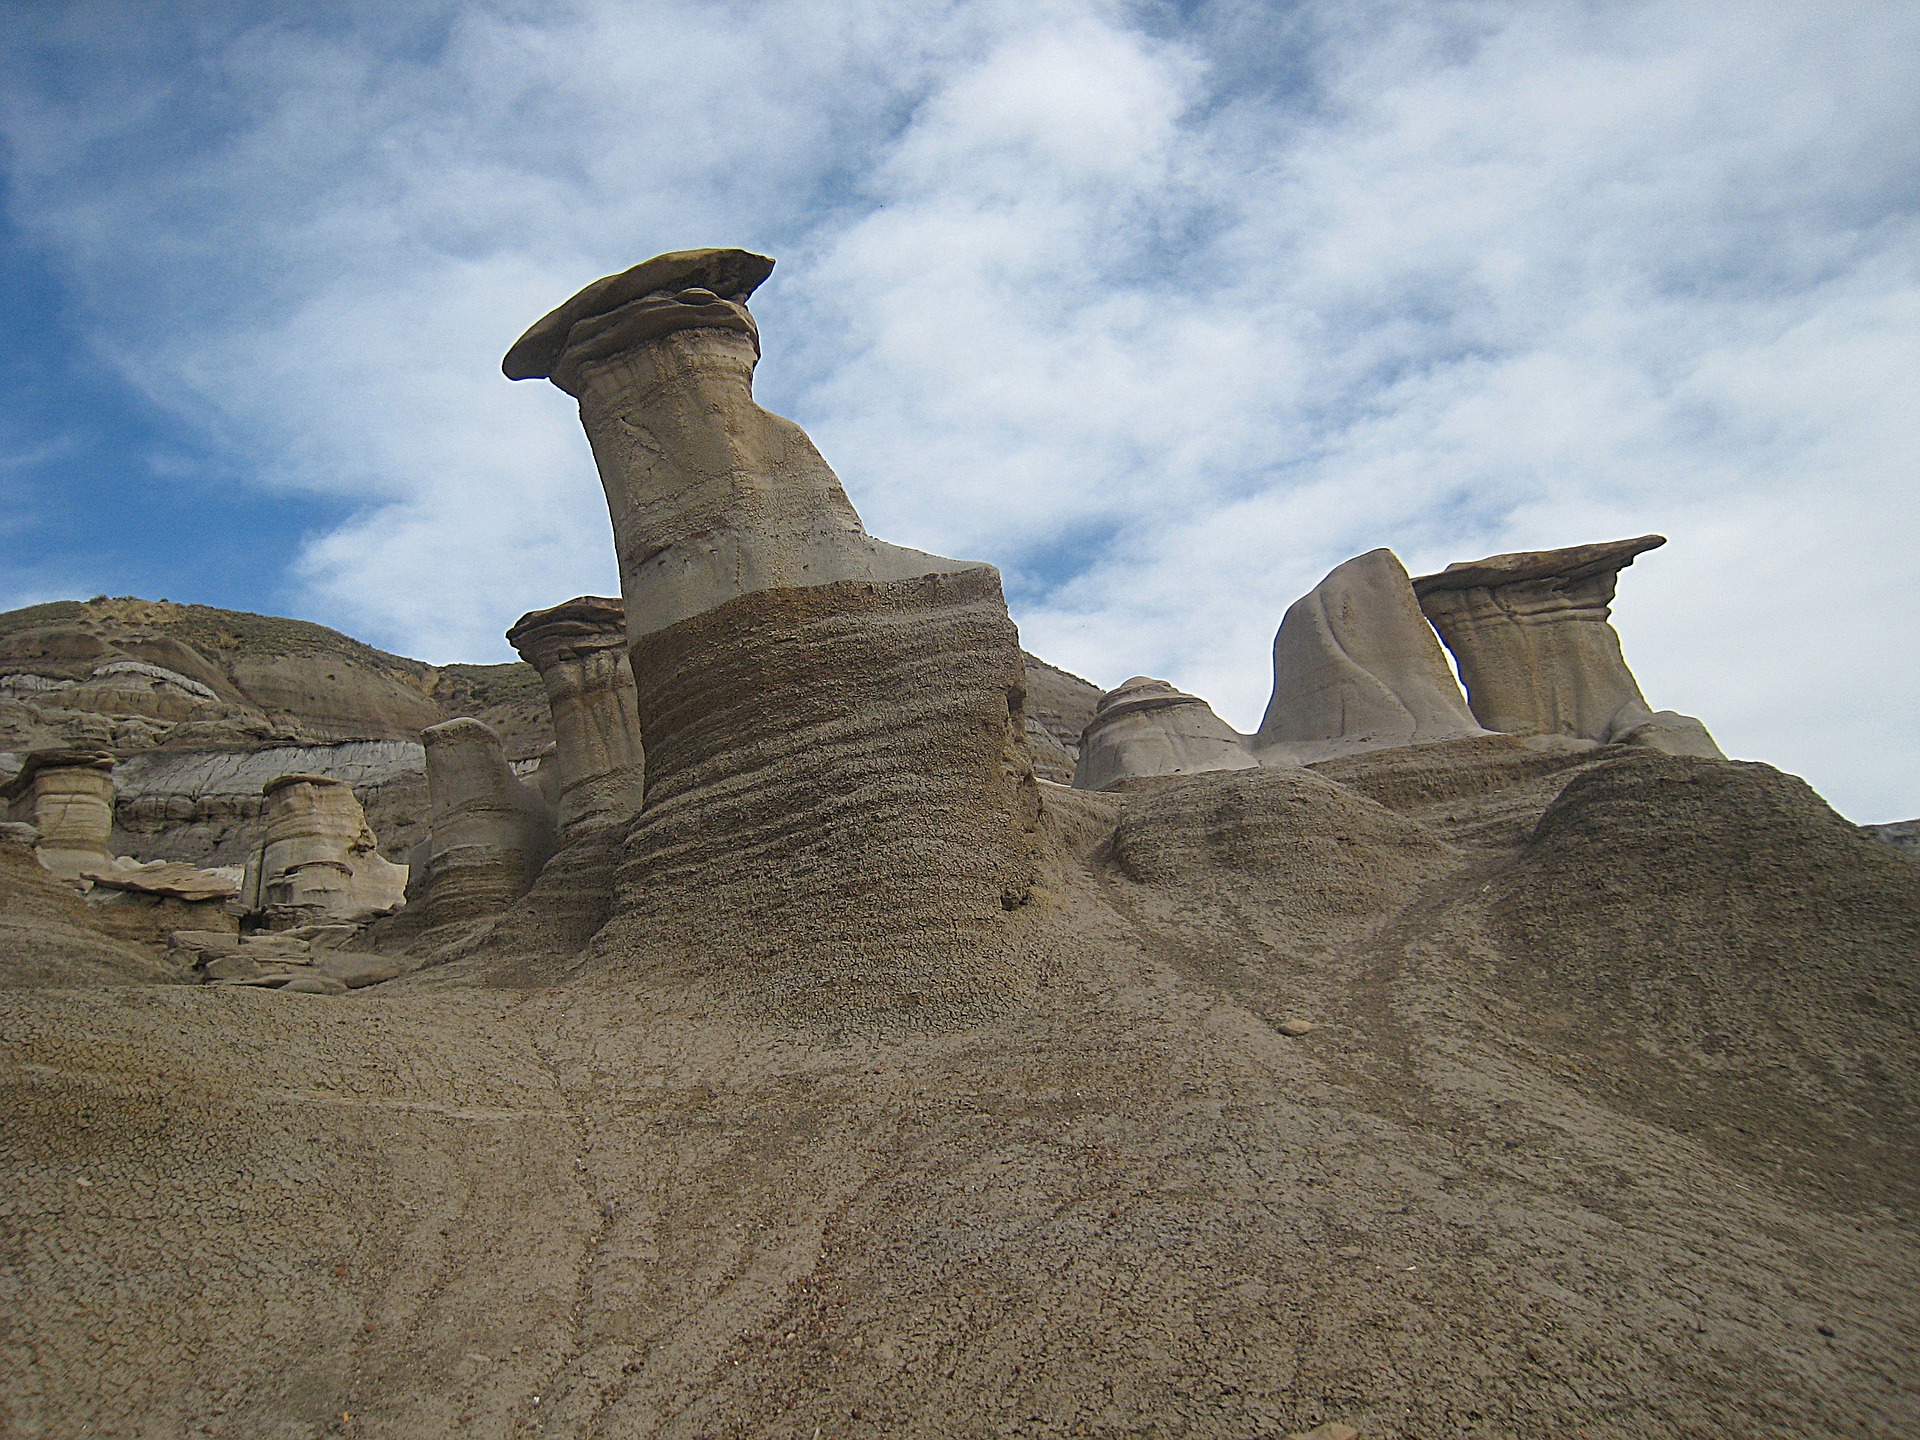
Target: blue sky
[{"x": 1164, "y": 310}]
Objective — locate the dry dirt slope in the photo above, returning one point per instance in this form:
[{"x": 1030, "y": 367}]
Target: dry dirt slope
[{"x": 1608, "y": 1130}]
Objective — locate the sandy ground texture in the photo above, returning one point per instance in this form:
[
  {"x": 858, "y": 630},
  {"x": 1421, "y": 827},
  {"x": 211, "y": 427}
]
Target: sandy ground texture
[{"x": 1605, "y": 1126}]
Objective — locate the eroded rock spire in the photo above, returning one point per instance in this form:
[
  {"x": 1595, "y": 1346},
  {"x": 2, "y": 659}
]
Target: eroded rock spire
[{"x": 840, "y": 799}]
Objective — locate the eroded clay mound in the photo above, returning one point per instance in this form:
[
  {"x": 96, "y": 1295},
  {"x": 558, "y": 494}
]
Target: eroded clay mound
[
  {"x": 1719, "y": 920},
  {"x": 1288, "y": 843}
]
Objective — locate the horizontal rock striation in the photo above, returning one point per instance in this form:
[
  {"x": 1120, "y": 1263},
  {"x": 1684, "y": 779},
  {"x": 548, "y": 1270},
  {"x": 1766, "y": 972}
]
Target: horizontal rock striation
[
  {"x": 840, "y": 803},
  {"x": 202, "y": 806},
  {"x": 489, "y": 833}
]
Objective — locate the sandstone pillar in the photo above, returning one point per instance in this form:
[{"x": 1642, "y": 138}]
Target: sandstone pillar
[
  {"x": 839, "y": 795},
  {"x": 580, "y": 650},
  {"x": 1532, "y": 634},
  {"x": 1357, "y": 667},
  {"x": 67, "y": 795},
  {"x": 1145, "y": 727},
  {"x": 318, "y": 858},
  {"x": 489, "y": 832}
]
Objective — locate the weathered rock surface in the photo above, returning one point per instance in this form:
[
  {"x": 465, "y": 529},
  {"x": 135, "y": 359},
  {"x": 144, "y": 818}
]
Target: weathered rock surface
[
  {"x": 840, "y": 803},
  {"x": 67, "y": 796},
  {"x": 1901, "y": 834},
  {"x": 1537, "y": 653},
  {"x": 164, "y": 878},
  {"x": 1061, "y": 703},
  {"x": 489, "y": 834},
  {"x": 840, "y": 796},
  {"x": 1145, "y": 727},
  {"x": 712, "y": 497},
  {"x": 133, "y": 676},
  {"x": 580, "y": 649},
  {"x": 318, "y": 859},
  {"x": 1357, "y": 667}
]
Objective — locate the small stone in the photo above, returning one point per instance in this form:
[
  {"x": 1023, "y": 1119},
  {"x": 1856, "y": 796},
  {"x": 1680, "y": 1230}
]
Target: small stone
[
  {"x": 313, "y": 985},
  {"x": 1294, "y": 1027},
  {"x": 232, "y": 967},
  {"x": 356, "y": 969}
]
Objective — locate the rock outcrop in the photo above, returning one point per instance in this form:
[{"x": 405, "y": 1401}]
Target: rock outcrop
[
  {"x": 712, "y": 497},
  {"x": 1538, "y": 654},
  {"x": 318, "y": 859},
  {"x": 67, "y": 796},
  {"x": 580, "y": 650},
  {"x": 1145, "y": 727},
  {"x": 205, "y": 806},
  {"x": 489, "y": 833},
  {"x": 839, "y": 794},
  {"x": 1357, "y": 667}
]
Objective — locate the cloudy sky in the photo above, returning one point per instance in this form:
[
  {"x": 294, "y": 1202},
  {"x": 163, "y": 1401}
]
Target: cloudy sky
[{"x": 1165, "y": 309}]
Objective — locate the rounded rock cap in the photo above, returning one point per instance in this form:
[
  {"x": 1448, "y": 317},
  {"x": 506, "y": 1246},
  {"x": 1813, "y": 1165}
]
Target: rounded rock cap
[{"x": 730, "y": 275}]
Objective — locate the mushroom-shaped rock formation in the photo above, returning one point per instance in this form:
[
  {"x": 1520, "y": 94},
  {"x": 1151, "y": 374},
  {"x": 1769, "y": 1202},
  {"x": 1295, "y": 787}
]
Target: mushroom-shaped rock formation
[
  {"x": 67, "y": 796},
  {"x": 580, "y": 650},
  {"x": 711, "y": 496},
  {"x": 1357, "y": 667},
  {"x": 1145, "y": 727},
  {"x": 318, "y": 858},
  {"x": 1537, "y": 652},
  {"x": 489, "y": 833},
  {"x": 839, "y": 791}
]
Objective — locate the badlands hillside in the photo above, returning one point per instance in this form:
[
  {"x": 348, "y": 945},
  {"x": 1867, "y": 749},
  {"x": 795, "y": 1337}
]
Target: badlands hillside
[{"x": 779, "y": 1007}]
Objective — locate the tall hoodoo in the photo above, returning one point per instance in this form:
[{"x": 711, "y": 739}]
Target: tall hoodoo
[
  {"x": 580, "y": 650},
  {"x": 318, "y": 858},
  {"x": 1357, "y": 667},
  {"x": 1145, "y": 728},
  {"x": 1532, "y": 634},
  {"x": 489, "y": 834},
  {"x": 711, "y": 496},
  {"x": 838, "y": 784},
  {"x": 67, "y": 795}
]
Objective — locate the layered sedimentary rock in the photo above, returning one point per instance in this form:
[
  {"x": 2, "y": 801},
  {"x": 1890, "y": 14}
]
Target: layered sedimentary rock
[
  {"x": 1357, "y": 667},
  {"x": 1146, "y": 727},
  {"x": 67, "y": 796},
  {"x": 489, "y": 833},
  {"x": 204, "y": 806},
  {"x": 838, "y": 783},
  {"x": 318, "y": 859},
  {"x": 580, "y": 650},
  {"x": 1537, "y": 650}
]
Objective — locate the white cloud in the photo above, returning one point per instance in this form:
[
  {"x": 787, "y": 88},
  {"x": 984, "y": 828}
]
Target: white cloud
[{"x": 1165, "y": 318}]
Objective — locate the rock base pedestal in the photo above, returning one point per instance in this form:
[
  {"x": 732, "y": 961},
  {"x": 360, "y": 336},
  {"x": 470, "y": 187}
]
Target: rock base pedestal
[{"x": 840, "y": 800}]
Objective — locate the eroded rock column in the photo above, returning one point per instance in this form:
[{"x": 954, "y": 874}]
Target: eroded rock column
[
  {"x": 489, "y": 832},
  {"x": 1145, "y": 728},
  {"x": 1533, "y": 636},
  {"x": 1357, "y": 667},
  {"x": 67, "y": 796},
  {"x": 318, "y": 858},
  {"x": 580, "y": 650},
  {"x": 839, "y": 794}
]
